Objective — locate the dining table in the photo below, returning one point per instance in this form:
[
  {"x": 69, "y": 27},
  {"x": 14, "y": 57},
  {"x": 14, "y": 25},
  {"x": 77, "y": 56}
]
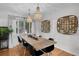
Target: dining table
[{"x": 39, "y": 43}]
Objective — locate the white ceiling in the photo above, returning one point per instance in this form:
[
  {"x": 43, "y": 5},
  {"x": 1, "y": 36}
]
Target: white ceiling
[{"x": 46, "y": 8}]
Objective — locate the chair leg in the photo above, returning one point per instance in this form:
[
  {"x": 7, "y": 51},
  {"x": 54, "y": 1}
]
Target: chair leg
[
  {"x": 24, "y": 52},
  {"x": 44, "y": 53},
  {"x": 50, "y": 54}
]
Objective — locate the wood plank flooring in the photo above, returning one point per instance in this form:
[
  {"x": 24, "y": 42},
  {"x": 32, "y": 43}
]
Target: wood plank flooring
[{"x": 20, "y": 51}]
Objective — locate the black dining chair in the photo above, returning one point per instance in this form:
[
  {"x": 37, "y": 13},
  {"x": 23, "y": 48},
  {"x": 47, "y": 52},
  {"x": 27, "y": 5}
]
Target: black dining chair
[
  {"x": 31, "y": 49},
  {"x": 27, "y": 46},
  {"x": 20, "y": 43},
  {"x": 23, "y": 44},
  {"x": 19, "y": 40},
  {"x": 50, "y": 48},
  {"x": 51, "y": 39},
  {"x": 40, "y": 36},
  {"x": 36, "y": 53}
]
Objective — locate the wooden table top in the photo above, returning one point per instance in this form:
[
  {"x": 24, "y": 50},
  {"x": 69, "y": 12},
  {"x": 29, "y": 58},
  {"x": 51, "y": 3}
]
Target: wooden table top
[{"x": 38, "y": 44}]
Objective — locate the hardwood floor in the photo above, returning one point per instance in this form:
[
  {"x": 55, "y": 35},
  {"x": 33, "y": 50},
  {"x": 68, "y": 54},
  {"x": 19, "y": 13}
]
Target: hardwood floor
[{"x": 20, "y": 51}]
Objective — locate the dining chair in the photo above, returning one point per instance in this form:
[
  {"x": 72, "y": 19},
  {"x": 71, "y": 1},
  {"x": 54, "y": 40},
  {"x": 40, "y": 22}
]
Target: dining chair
[
  {"x": 25, "y": 44},
  {"x": 49, "y": 49},
  {"x": 36, "y": 53},
  {"x": 20, "y": 43},
  {"x": 28, "y": 46},
  {"x": 40, "y": 36},
  {"x": 31, "y": 49},
  {"x": 19, "y": 40},
  {"x": 51, "y": 39}
]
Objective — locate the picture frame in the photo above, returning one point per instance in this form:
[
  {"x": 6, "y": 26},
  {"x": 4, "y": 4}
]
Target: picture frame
[{"x": 45, "y": 26}]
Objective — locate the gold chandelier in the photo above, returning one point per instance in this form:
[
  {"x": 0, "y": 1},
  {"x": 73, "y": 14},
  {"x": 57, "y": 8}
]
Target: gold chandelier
[
  {"x": 37, "y": 15},
  {"x": 29, "y": 18}
]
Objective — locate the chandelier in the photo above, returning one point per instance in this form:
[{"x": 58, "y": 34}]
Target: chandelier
[
  {"x": 37, "y": 15},
  {"x": 29, "y": 18}
]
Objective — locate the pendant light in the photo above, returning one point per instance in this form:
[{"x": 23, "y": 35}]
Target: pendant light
[{"x": 37, "y": 14}]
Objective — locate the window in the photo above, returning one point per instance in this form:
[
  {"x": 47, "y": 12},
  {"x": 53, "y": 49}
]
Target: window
[
  {"x": 21, "y": 26},
  {"x": 16, "y": 27},
  {"x": 67, "y": 24},
  {"x": 28, "y": 26}
]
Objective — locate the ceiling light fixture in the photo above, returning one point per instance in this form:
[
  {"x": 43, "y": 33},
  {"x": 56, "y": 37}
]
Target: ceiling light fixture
[
  {"x": 29, "y": 18},
  {"x": 37, "y": 15}
]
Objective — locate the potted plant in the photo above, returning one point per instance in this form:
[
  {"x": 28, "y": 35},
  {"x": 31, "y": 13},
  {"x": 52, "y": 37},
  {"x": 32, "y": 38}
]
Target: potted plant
[{"x": 4, "y": 32}]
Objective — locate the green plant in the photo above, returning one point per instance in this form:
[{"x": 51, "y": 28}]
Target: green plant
[{"x": 4, "y": 32}]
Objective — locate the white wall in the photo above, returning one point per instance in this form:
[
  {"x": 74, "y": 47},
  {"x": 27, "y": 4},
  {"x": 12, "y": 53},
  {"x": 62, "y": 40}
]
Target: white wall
[
  {"x": 3, "y": 19},
  {"x": 13, "y": 40},
  {"x": 68, "y": 43}
]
